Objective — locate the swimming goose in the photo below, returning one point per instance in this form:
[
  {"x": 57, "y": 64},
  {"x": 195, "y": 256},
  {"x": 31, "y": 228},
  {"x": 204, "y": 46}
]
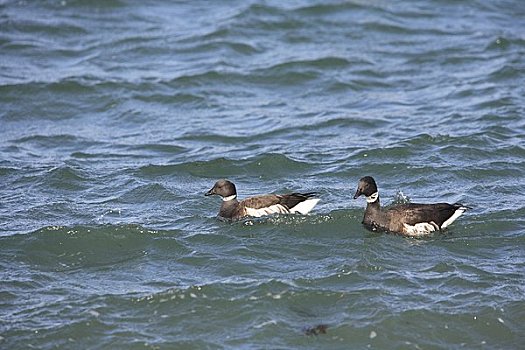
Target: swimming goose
[
  {"x": 411, "y": 219},
  {"x": 233, "y": 209}
]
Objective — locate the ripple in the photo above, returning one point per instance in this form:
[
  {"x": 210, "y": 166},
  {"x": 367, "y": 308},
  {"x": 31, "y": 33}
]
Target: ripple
[
  {"x": 320, "y": 63},
  {"x": 147, "y": 193},
  {"x": 65, "y": 178},
  {"x": 189, "y": 99},
  {"x": 61, "y": 248},
  {"x": 328, "y": 8},
  {"x": 222, "y": 167},
  {"x": 118, "y": 116}
]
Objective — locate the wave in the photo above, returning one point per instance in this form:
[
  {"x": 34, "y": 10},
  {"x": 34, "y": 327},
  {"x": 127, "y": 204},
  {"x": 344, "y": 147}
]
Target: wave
[
  {"x": 223, "y": 167},
  {"x": 63, "y": 248},
  {"x": 147, "y": 193},
  {"x": 121, "y": 151},
  {"x": 312, "y": 123}
]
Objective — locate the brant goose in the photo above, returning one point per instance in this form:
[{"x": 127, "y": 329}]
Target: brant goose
[
  {"x": 411, "y": 219},
  {"x": 232, "y": 209}
]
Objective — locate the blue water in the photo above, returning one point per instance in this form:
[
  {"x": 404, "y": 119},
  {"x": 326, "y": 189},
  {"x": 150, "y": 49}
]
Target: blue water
[{"x": 117, "y": 116}]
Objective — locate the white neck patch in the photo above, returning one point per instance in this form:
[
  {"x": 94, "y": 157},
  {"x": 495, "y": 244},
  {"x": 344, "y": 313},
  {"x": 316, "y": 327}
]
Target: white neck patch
[
  {"x": 373, "y": 197},
  {"x": 229, "y": 198}
]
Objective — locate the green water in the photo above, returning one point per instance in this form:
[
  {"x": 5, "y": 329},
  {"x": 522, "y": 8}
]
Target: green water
[{"x": 117, "y": 116}]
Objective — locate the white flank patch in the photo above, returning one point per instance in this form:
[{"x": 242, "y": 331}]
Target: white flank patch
[
  {"x": 229, "y": 198},
  {"x": 373, "y": 197},
  {"x": 272, "y": 209},
  {"x": 420, "y": 229},
  {"x": 453, "y": 218},
  {"x": 305, "y": 206}
]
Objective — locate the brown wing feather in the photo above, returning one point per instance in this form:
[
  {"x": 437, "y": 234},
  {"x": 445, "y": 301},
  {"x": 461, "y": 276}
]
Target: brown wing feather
[
  {"x": 292, "y": 199},
  {"x": 287, "y": 200},
  {"x": 262, "y": 201},
  {"x": 414, "y": 213}
]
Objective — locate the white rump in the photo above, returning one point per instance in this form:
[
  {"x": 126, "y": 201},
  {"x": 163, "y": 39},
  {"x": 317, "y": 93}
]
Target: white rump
[
  {"x": 305, "y": 206},
  {"x": 453, "y": 218}
]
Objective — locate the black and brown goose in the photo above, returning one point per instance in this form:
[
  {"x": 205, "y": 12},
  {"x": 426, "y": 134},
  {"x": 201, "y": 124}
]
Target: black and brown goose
[
  {"x": 233, "y": 209},
  {"x": 411, "y": 219}
]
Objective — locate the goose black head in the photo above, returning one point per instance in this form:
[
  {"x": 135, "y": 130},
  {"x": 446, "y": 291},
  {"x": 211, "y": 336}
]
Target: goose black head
[
  {"x": 367, "y": 186},
  {"x": 223, "y": 188}
]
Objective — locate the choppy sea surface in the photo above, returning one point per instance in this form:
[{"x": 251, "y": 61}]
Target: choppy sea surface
[{"x": 117, "y": 116}]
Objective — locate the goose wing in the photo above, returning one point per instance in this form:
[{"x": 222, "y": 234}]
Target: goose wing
[
  {"x": 278, "y": 204},
  {"x": 264, "y": 205}
]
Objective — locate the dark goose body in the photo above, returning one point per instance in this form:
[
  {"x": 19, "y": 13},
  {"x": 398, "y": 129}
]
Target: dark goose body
[
  {"x": 412, "y": 219},
  {"x": 233, "y": 209}
]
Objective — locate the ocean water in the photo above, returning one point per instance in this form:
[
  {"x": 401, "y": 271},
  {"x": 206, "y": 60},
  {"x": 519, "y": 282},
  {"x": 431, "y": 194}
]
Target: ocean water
[{"x": 117, "y": 116}]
